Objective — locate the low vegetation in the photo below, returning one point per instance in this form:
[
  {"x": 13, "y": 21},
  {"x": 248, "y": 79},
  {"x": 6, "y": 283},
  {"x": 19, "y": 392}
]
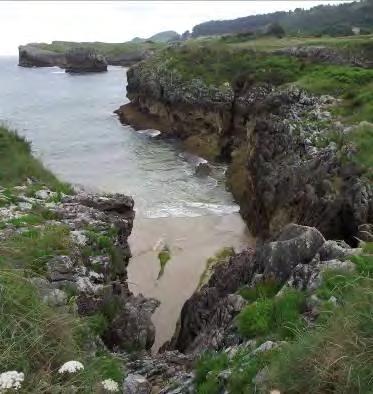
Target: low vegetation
[
  {"x": 37, "y": 339},
  {"x": 15, "y": 172},
  {"x": 333, "y": 355},
  {"x": 278, "y": 316},
  {"x": 104, "y": 48}
]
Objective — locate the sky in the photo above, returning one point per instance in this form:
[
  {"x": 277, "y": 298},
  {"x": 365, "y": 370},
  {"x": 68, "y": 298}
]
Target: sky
[{"x": 22, "y": 22}]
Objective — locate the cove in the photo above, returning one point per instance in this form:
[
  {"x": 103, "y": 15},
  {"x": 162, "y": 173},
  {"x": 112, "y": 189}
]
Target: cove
[{"x": 70, "y": 122}]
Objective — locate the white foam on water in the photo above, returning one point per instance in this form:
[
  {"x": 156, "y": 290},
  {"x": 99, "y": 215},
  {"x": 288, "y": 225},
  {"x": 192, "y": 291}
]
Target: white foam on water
[
  {"x": 150, "y": 132},
  {"x": 192, "y": 209}
]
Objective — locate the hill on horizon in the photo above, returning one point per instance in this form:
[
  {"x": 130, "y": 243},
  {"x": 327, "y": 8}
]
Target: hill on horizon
[{"x": 335, "y": 20}]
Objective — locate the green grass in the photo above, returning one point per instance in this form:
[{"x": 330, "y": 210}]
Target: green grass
[
  {"x": 32, "y": 249},
  {"x": 279, "y": 316},
  {"x": 106, "y": 49},
  {"x": 36, "y": 340},
  {"x": 255, "y": 319},
  {"x": 266, "y": 289},
  {"x": 243, "y": 367},
  {"x": 362, "y": 139},
  {"x": 207, "y": 369},
  {"x": 15, "y": 172},
  {"x": 336, "y": 357},
  {"x": 336, "y": 283},
  {"x": 29, "y": 219},
  {"x": 217, "y": 63}
]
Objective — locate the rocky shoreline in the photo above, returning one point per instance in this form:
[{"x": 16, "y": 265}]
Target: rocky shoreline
[
  {"x": 284, "y": 165},
  {"x": 95, "y": 272},
  {"x": 32, "y": 55}
]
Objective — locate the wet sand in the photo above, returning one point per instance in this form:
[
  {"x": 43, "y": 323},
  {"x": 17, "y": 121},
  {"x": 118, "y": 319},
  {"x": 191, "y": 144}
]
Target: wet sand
[{"x": 192, "y": 240}]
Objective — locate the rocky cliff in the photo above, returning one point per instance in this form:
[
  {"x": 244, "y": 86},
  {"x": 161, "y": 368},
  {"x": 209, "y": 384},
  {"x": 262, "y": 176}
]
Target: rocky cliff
[
  {"x": 83, "y": 60},
  {"x": 290, "y": 161},
  {"x": 55, "y": 54},
  {"x": 30, "y": 56}
]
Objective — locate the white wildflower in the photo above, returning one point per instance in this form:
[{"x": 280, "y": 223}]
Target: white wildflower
[
  {"x": 71, "y": 367},
  {"x": 110, "y": 385},
  {"x": 11, "y": 380}
]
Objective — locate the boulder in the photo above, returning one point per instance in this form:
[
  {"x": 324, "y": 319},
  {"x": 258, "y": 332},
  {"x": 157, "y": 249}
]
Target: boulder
[
  {"x": 208, "y": 312},
  {"x": 55, "y": 297},
  {"x": 203, "y": 169},
  {"x": 83, "y": 60},
  {"x": 335, "y": 250},
  {"x": 132, "y": 328},
  {"x": 60, "y": 268},
  {"x": 136, "y": 384},
  {"x": 295, "y": 245}
]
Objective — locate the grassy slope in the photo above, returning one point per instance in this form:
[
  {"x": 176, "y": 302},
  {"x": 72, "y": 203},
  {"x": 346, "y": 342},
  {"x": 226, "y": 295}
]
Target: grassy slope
[
  {"x": 336, "y": 356},
  {"x": 17, "y": 164},
  {"x": 35, "y": 338},
  {"x": 218, "y": 63}
]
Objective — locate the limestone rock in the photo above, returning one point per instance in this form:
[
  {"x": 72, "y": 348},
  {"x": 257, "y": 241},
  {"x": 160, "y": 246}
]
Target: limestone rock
[
  {"x": 136, "y": 384},
  {"x": 60, "y": 268},
  {"x": 206, "y": 315},
  {"x": 55, "y": 297},
  {"x": 31, "y": 56},
  {"x": 203, "y": 169},
  {"x": 132, "y": 327},
  {"x": 295, "y": 245},
  {"x": 335, "y": 250},
  {"x": 83, "y": 60}
]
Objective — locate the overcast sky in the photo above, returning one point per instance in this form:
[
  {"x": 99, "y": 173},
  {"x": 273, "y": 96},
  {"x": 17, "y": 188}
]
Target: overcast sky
[{"x": 117, "y": 21}]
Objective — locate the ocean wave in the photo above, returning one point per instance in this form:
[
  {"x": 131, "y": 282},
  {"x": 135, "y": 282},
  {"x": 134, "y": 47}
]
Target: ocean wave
[
  {"x": 150, "y": 132},
  {"x": 192, "y": 209}
]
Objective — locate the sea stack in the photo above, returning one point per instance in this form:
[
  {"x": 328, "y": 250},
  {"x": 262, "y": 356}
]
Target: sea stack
[{"x": 84, "y": 60}]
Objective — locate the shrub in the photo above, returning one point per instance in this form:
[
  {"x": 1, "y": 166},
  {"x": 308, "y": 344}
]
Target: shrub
[
  {"x": 337, "y": 357},
  {"x": 278, "y": 316},
  {"x": 255, "y": 319},
  {"x": 335, "y": 283},
  {"x": 364, "y": 264},
  {"x": 207, "y": 369},
  {"x": 266, "y": 289},
  {"x": 286, "y": 312}
]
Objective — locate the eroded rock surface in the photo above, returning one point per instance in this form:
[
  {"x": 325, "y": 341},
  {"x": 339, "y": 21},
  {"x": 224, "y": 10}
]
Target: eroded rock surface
[
  {"x": 30, "y": 56},
  {"x": 83, "y": 60},
  {"x": 297, "y": 259},
  {"x": 282, "y": 169},
  {"x": 96, "y": 228}
]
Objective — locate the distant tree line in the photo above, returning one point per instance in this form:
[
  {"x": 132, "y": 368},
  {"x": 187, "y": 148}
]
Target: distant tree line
[{"x": 334, "y": 20}]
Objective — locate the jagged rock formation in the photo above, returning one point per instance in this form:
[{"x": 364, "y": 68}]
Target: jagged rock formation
[
  {"x": 295, "y": 259},
  {"x": 30, "y": 56},
  {"x": 36, "y": 55},
  {"x": 279, "y": 171},
  {"x": 328, "y": 55},
  {"x": 82, "y": 60},
  {"x": 129, "y": 58},
  {"x": 95, "y": 270}
]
